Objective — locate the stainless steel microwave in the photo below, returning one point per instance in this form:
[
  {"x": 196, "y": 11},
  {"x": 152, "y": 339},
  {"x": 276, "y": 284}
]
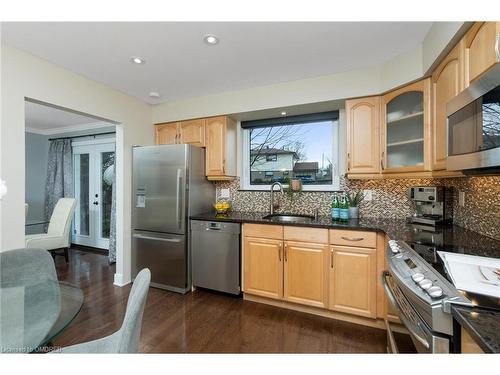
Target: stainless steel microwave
[{"x": 474, "y": 126}]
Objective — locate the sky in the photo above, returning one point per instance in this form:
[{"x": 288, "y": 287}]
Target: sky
[{"x": 317, "y": 138}]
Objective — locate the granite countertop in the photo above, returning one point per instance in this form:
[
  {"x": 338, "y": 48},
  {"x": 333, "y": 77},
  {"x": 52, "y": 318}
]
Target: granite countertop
[
  {"x": 483, "y": 325},
  {"x": 455, "y": 239}
]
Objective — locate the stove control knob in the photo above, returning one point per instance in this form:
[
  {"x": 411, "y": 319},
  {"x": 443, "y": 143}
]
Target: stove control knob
[
  {"x": 435, "y": 292},
  {"x": 425, "y": 284},
  {"x": 417, "y": 277},
  {"x": 394, "y": 247}
]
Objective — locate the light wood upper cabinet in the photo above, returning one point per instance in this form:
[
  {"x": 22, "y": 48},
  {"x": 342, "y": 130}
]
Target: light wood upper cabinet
[
  {"x": 221, "y": 148},
  {"x": 481, "y": 49},
  {"x": 193, "y": 132},
  {"x": 406, "y": 133},
  {"x": 167, "y": 134},
  {"x": 353, "y": 279},
  {"x": 447, "y": 82},
  {"x": 263, "y": 267},
  {"x": 363, "y": 132},
  {"x": 190, "y": 132},
  {"x": 306, "y": 273}
]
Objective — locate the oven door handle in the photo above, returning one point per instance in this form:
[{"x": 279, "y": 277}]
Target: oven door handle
[{"x": 412, "y": 328}]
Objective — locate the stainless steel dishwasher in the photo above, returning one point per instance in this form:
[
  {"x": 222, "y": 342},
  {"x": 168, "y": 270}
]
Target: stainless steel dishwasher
[{"x": 215, "y": 252}]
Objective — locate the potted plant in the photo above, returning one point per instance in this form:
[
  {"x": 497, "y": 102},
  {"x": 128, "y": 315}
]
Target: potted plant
[{"x": 354, "y": 200}]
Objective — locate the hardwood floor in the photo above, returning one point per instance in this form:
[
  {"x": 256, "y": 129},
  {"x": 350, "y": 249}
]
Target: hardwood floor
[{"x": 203, "y": 322}]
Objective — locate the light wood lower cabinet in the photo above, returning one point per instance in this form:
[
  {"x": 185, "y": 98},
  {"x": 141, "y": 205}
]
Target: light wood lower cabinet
[
  {"x": 353, "y": 281},
  {"x": 306, "y": 273},
  {"x": 263, "y": 267},
  {"x": 468, "y": 344},
  {"x": 283, "y": 266}
]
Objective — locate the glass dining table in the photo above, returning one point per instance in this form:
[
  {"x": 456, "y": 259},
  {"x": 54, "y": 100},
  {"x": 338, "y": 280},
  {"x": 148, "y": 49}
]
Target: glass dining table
[{"x": 32, "y": 316}]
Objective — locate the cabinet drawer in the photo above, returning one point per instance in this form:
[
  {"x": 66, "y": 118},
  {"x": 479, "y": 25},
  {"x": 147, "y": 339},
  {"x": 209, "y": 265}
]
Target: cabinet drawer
[
  {"x": 353, "y": 238},
  {"x": 263, "y": 231},
  {"x": 302, "y": 234}
]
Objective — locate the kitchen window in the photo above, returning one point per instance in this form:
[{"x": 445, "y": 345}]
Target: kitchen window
[{"x": 303, "y": 147}]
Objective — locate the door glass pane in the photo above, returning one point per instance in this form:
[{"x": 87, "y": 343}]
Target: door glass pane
[
  {"x": 405, "y": 130},
  {"x": 107, "y": 172},
  {"x": 83, "y": 166}
]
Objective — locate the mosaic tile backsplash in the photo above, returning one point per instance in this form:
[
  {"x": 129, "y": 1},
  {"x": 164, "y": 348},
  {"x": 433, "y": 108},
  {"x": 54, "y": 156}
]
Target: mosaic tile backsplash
[{"x": 481, "y": 212}]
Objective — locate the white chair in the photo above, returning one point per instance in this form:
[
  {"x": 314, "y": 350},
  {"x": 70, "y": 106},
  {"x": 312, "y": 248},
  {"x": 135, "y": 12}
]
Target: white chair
[{"x": 57, "y": 236}]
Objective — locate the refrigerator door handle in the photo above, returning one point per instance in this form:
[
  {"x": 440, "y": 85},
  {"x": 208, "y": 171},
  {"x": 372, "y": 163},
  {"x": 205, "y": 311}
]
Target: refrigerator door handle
[
  {"x": 142, "y": 237},
  {"x": 178, "y": 203}
]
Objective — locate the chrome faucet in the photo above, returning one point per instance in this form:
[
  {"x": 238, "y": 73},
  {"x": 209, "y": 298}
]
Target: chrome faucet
[{"x": 272, "y": 206}]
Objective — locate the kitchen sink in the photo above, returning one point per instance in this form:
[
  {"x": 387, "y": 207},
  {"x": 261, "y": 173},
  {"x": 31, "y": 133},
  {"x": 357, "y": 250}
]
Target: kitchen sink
[{"x": 288, "y": 218}]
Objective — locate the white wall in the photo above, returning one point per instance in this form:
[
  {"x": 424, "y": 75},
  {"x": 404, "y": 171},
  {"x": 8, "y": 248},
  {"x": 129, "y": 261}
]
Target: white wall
[
  {"x": 23, "y": 75},
  {"x": 438, "y": 37},
  {"x": 406, "y": 67}
]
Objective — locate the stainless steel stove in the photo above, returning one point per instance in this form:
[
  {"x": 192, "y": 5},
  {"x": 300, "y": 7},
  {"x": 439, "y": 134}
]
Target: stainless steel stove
[{"x": 422, "y": 296}]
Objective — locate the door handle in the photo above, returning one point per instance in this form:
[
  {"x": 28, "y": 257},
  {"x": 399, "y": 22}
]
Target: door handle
[
  {"x": 143, "y": 237},
  {"x": 178, "y": 202},
  {"x": 331, "y": 258},
  {"x": 95, "y": 202},
  {"x": 352, "y": 239},
  {"x": 382, "y": 161},
  {"x": 279, "y": 251},
  {"x": 286, "y": 252},
  {"x": 348, "y": 161}
]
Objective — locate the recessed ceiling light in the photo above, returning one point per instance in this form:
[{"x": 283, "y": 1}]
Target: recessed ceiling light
[
  {"x": 137, "y": 60},
  {"x": 283, "y": 113},
  {"x": 154, "y": 94},
  {"x": 211, "y": 39}
]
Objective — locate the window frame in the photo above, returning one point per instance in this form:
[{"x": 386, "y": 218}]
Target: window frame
[{"x": 245, "y": 166}]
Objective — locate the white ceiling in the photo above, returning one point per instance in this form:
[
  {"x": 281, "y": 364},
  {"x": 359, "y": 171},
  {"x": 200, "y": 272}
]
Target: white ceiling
[
  {"x": 44, "y": 119},
  {"x": 179, "y": 65}
]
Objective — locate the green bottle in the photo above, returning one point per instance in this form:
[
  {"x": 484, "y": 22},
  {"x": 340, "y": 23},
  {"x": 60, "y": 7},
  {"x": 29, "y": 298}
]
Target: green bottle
[
  {"x": 335, "y": 207},
  {"x": 344, "y": 209}
]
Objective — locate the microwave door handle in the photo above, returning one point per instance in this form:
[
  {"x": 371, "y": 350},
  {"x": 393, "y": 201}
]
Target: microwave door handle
[
  {"x": 178, "y": 203},
  {"x": 409, "y": 325}
]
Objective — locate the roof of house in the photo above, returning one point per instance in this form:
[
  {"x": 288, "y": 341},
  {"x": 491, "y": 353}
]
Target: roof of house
[
  {"x": 306, "y": 166},
  {"x": 272, "y": 151}
]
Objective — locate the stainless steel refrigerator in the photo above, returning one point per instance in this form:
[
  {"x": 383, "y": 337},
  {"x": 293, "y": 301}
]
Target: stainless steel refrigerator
[{"x": 169, "y": 185}]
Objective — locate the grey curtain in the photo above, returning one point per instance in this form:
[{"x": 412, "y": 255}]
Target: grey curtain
[
  {"x": 59, "y": 174},
  {"x": 112, "y": 225}
]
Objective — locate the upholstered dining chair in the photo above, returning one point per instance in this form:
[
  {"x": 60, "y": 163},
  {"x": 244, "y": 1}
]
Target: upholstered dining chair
[
  {"x": 126, "y": 339},
  {"x": 57, "y": 236}
]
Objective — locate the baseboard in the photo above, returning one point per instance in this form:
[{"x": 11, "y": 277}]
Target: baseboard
[
  {"x": 118, "y": 280},
  {"x": 375, "y": 323}
]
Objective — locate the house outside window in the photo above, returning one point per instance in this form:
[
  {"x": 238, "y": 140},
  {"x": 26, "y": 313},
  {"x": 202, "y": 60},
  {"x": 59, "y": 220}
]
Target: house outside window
[{"x": 301, "y": 147}]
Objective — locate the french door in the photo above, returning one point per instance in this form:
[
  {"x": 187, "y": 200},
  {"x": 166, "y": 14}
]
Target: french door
[{"x": 93, "y": 176}]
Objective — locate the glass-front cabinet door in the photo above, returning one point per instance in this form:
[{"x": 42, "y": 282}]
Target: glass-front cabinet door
[{"x": 406, "y": 129}]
